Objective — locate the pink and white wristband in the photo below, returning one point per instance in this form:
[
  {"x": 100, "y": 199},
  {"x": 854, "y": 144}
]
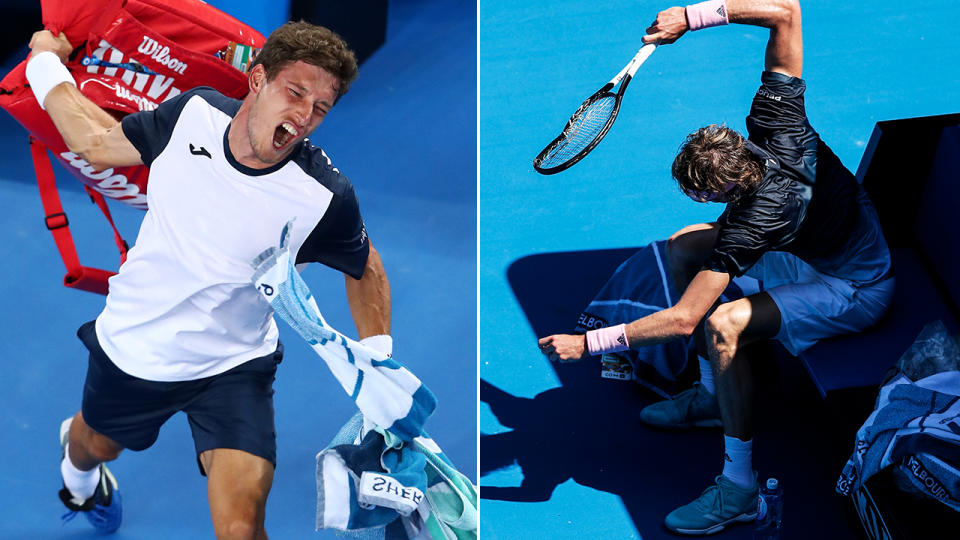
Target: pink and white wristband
[
  {"x": 707, "y": 14},
  {"x": 607, "y": 340}
]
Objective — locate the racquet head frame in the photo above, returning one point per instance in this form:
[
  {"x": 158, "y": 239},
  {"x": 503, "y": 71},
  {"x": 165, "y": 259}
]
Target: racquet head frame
[{"x": 624, "y": 77}]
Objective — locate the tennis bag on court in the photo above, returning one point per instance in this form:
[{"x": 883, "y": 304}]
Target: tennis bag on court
[
  {"x": 131, "y": 55},
  {"x": 914, "y": 428}
]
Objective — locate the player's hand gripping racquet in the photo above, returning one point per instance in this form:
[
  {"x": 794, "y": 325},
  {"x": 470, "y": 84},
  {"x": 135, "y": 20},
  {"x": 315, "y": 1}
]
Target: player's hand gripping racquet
[{"x": 590, "y": 123}]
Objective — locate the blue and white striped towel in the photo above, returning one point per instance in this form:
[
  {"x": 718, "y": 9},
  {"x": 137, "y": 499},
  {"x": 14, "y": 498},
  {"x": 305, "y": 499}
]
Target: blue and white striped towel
[
  {"x": 915, "y": 425},
  {"x": 386, "y": 392},
  {"x": 373, "y": 486}
]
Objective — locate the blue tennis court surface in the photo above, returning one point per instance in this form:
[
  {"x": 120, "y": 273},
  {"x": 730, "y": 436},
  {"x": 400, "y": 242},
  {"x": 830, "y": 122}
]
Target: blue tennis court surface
[
  {"x": 406, "y": 136},
  {"x": 562, "y": 452}
]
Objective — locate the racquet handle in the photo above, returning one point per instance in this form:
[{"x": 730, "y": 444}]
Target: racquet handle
[
  {"x": 641, "y": 57},
  {"x": 634, "y": 64}
]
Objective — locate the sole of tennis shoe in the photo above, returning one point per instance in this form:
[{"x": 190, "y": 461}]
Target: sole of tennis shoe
[{"x": 742, "y": 518}]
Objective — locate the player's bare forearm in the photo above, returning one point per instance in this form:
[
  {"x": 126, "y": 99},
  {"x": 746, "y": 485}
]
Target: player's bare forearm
[
  {"x": 681, "y": 319},
  {"x": 785, "y": 47},
  {"x": 369, "y": 298},
  {"x": 88, "y": 130},
  {"x": 784, "y": 53},
  {"x": 674, "y": 322},
  {"x": 765, "y": 13},
  {"x": 658, "y": 327}
]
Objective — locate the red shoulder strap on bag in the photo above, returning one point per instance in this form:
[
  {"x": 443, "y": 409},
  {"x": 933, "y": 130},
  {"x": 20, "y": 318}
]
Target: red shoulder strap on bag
[{"x": 78, "y": 276}]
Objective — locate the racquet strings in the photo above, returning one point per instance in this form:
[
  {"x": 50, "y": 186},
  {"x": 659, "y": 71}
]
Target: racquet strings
[{"x": 584, "y": 127}]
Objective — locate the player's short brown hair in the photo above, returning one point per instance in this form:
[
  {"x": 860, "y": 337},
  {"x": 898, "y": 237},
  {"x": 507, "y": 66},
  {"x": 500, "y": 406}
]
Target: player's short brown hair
[
  {"x": 312, "y": 44},
  {"x": 713, "y": 158}
]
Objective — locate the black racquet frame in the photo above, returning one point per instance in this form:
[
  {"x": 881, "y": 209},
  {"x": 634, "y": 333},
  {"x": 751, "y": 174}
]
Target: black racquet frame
[{"x": 626, "y": 75}]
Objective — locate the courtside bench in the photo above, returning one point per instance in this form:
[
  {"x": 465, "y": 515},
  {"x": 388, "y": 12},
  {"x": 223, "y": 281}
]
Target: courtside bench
[{"x": 911, "y": 170}]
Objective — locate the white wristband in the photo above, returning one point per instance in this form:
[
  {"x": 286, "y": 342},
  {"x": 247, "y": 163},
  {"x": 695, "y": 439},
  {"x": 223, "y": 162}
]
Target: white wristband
[
  {"x": 44, "y": 72},
  {"x": 382, "y": 343}
]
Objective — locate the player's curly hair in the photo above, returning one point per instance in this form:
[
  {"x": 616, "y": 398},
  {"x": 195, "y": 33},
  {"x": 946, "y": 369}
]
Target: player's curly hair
[
  {"x": 712, "y": 160},
  {"x": 312, "y": 44}
]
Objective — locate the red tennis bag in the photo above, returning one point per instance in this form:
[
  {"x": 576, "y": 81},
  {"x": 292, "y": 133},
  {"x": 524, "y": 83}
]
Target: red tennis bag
[{"x": 130, "y": 55}]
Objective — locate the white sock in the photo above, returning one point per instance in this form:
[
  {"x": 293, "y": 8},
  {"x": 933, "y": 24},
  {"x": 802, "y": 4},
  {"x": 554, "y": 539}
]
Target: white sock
[
  {"x": 706, "y": 376},
  {"x": 738, "y": 461},
  {"x": 82, "y": 484}
]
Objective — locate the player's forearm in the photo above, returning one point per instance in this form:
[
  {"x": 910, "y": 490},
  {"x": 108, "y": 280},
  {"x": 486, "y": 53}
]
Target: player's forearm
[
  {"x": 87, "y": 129},
  {"x": 81, "y": 123},
  {"x": 680, "y": 320},
  {"x": 765, "y": 13},
  {"x": 661, "y": 327},
  {"x": 784, "y": 52},
  {"x": 369, "y": 298}
]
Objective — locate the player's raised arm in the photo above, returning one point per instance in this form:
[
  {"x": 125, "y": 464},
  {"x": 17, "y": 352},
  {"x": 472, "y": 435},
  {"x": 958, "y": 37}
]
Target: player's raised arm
[
  {"x": 784, "y": 49},
  {"x": 86, "y": 128}
]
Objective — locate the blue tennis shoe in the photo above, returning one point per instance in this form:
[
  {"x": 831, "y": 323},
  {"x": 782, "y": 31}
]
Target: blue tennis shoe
[{"x": 104, "y": 509}]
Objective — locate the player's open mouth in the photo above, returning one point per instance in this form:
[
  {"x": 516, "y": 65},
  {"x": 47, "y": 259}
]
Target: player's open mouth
[{"x": 284, "y": 133}]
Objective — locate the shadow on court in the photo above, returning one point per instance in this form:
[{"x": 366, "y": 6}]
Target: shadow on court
[{"x": 588, "y": 429}]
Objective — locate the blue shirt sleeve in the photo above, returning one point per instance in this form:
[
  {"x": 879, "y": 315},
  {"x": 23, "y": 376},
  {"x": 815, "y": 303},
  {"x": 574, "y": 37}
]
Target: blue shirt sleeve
[
  {"x": 765, "y": 221},
  {"x": 149, "y": 131},
  {"x": 778, "y": 123},
  {"x": 339, "y": 240}
]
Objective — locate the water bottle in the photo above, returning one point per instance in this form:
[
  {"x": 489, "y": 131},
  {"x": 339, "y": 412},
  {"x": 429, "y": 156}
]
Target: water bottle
[{"x": 769, "y": 511}]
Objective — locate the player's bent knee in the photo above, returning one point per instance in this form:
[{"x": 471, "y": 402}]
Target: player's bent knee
[
  {"x": 241, "y": 517},
  {"x": 102, "y": 448},
  {"x": 237, "y": 528},
  {"x": 723, "y": 328}
]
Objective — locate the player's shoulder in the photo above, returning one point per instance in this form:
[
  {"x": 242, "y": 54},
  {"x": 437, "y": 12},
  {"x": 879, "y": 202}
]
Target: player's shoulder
[
  {"x": 314, "y": 162},
  {"x": 778, "y": 86},
  {"x": 212, "y": 98},
  {"x": 778, "y": 116}
]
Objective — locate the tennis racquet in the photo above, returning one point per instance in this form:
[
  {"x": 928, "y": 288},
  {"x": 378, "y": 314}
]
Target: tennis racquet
[{"x": 590, "y": 123}]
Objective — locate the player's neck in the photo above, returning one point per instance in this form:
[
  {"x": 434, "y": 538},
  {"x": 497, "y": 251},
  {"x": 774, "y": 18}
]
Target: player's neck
[{"x": 241, "y": 146}]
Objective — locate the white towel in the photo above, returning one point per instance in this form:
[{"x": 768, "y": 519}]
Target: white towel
[{"x": 386, "y": 392}]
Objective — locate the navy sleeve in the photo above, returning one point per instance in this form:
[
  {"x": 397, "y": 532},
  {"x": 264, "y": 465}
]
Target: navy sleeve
[
  {"x": 778, "y": 103},
  {"x": 767, "y": 222},
  {"x": 339, "y": 240},
  {"x": 778, "y": 123},
  {"x": 149, "y": 131}
]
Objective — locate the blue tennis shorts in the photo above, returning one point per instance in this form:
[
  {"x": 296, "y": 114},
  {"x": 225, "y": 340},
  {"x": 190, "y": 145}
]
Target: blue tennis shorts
[
  {"x": 813, "y": 305},
  {"x": 233, "y": 409}
]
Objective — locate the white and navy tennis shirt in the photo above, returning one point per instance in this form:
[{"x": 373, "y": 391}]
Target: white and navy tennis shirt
[{"x": 182, "y": 306}]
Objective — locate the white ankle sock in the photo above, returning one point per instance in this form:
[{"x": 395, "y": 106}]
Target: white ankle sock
[
  {"x": 706, "y": 376},
  {"x": 82, "y": 484},
  {"x": 738, "y": 461}
]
